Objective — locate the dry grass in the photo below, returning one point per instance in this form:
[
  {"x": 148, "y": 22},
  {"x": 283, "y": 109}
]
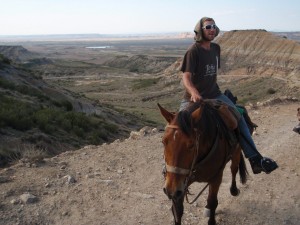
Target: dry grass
[
  {"x": 32, "y": 154},
  {"x": 15, "y": 150}
]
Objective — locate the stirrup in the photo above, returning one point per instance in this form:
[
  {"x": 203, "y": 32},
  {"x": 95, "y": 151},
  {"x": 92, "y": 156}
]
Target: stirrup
[
  {"x": 262, "y": 164},
  {"x": 268, "y": 165}
]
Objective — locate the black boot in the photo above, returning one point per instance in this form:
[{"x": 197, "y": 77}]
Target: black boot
[
  {"x": 262, "y": 164},
  {"x": 297, "y": 129}
]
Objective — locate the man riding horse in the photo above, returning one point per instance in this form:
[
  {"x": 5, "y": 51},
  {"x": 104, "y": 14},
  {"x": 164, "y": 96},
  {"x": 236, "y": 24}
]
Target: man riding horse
[
  {"x": 199, "y": 140},
  {"x": 200, "y": 65}
]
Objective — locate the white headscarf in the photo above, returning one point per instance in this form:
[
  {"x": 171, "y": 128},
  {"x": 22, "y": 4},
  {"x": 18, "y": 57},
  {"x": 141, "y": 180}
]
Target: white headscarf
[{"x": 198, "y": 28}]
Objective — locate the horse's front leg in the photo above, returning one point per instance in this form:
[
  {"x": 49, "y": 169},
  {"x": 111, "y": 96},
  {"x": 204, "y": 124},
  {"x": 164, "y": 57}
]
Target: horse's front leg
[
  {"x": 212, "y": 200},
  {"x": 177, "y": 210}
]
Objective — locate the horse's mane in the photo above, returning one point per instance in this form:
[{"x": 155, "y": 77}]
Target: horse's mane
[{"x": 207, "y": 124}]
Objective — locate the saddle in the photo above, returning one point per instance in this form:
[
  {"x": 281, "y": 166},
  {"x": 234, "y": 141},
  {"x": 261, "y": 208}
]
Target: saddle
[{"x": 229, "y": 115}]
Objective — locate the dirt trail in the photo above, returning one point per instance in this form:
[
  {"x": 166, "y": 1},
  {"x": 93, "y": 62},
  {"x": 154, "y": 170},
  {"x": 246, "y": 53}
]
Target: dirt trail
[{"x": 121, "y": 183}]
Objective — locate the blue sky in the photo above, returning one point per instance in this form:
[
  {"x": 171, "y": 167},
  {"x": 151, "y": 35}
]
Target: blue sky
[{"x": 27, "y": 17}]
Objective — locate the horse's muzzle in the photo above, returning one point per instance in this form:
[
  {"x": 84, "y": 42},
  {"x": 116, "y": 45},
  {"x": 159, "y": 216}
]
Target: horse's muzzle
[{"x": 178, "y": 194}]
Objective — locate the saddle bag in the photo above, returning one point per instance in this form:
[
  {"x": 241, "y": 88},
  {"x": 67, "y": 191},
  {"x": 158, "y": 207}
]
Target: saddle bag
[{"x": 229, "y": 115}]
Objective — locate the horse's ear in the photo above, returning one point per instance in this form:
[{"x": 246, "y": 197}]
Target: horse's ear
[
  {"x": 166, "y": 114},
  {"x": 196, "y": 115}
]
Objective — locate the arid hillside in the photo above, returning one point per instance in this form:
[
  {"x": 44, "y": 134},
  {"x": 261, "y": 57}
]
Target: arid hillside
[
  {"x": 258, "y": 52},
  {"x": 17, "y": 53},
  {"x": 36, "y": 116}
]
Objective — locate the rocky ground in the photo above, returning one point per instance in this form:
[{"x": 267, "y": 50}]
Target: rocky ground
[{"x": 121, "y": 183}]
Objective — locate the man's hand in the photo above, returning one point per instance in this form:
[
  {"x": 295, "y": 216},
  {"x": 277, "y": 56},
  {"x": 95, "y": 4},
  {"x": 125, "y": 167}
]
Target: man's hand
[{"x": 196, "y": 97}]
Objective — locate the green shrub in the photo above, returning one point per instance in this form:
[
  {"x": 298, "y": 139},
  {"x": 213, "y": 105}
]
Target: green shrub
[
  {"x": 66, "y": 125},
  {"x": 8, "y": 154},
  {"x": 7, "y": 84},
  {"x": 78, "y": 131},
  {"x": 15, "y": 114},
  {"x": 27, "y": 90},
  {"x": 134, "y": 69},
  {"x": 5, "y": 59},
  {"x": 23, "y": 89},
  {"x": 97, "y": 137},
  {"x": 112, "y": 128},
  {"x": 44, "y": 117},
  {"x": 67, "y": 105},
  {"x": 271, "y": 91}
]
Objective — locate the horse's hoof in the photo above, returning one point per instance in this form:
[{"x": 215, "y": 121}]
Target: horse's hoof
[
  {"x": 234, "y": 191},
  {"x": 213, "y": 222},
  {"x": 206, "y": 212}
]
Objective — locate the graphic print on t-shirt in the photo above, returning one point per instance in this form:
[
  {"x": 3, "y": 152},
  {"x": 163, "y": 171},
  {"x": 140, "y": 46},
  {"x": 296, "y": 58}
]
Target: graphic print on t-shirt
[{"x": 211, "y": 69}]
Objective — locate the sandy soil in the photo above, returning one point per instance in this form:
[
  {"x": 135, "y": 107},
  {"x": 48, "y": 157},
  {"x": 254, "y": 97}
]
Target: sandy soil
[{"x": 121, "y": 183}]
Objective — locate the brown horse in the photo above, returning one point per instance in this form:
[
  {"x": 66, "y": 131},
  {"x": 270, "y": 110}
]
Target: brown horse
[{"x": 197, "y": 146}]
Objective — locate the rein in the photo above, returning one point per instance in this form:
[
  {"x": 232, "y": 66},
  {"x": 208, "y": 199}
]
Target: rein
[{"x": 213, "y": 149}]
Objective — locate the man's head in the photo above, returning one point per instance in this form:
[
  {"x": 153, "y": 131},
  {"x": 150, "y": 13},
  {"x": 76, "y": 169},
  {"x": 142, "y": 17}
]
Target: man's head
[{"x": 206, "y": 29}]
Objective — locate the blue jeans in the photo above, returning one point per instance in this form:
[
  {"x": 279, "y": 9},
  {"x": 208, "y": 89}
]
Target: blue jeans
[{"x": 246, "y": 140}]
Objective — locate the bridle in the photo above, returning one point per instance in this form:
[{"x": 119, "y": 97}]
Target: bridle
[
  {"x": 178, "y": 170},
  {"x": 182, "y": 171},
  {"x": 189, "y": 172}
]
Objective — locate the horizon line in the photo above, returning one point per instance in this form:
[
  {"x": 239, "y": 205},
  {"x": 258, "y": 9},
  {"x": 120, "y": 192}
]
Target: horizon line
[{"x": 128, "y": 34}]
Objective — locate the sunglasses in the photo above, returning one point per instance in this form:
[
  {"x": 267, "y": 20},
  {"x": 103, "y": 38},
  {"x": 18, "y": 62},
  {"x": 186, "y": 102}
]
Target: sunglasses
[{"x": 210, "y": 26}]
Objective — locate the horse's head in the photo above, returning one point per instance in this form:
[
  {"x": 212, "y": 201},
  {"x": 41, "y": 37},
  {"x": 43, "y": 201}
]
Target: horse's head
[{"x": 179, "y": 149}]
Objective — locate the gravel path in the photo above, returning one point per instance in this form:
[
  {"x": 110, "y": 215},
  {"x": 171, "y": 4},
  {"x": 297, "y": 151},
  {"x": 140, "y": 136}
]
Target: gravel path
[{"x": 121, "y": 183}]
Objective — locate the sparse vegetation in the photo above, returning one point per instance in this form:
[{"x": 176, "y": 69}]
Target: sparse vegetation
[
  {"x": 144, "y": 83},
  {"x": 67, "y": 105},
  {"x": 58, "y": 122},
  {"x": 22, "y": 88},
  {"x": 254, "y": 90},
  {"x": 30, "y": 153},
  {"x": 23, "y": 116}
]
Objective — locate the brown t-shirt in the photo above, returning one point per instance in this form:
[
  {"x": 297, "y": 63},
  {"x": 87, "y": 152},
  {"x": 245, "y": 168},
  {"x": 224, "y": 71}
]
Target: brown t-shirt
[{"x": 203, "y": 64}]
